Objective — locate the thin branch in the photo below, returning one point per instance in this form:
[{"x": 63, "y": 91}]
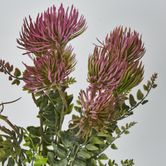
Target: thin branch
[
  {"x": 21, "y": 78},
  {"x": 61, "y": 93},
  {"x": 9, "y": 102},
  {"x": 14, "y": 127}
]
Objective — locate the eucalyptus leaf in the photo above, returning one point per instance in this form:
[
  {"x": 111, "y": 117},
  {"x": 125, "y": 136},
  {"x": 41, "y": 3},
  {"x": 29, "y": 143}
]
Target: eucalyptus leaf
[
  {"x": 34, "y": 130},
  {"x": 50, "y": 156},
  {"x": 60, "y": 163},
  {"x": 144, "y": 102},
  {"x": 91, "y": 147},
  {"x": 17, "y": 72},
  {"x": 103, "y": 157},
  {"x": 113, "y": 146},
  {"x": 102, "y": 134},
  {"x": 67, "y": 139},
  {"x": 145, "y": 87},
  {"x": 140, "y": 95},
  {"x": 97, "y": 141},
  {"x": 79, "y": 162},
  {"x": 100, "y": 163},
  {"x": 132, "y": 100},
  {"x": 11, "y": 162},
  {"x": 60, "y": 151},
  {"x": 84, "y": 154},
  {"x": 40, "y": 160}
]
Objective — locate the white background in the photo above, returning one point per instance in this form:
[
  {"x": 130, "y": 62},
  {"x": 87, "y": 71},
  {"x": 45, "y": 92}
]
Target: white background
[{"x": 147, "y": 141}]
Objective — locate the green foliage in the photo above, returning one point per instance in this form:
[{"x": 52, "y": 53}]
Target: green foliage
[
  {"x": 40, "y": 160},
  {"x": 67, "y": 139},
  {"x": 91, "y": 147},
  {"x": 84, "y": 154},
  {"x": 11, "y": 162},
  {"x": 14, "y": 74},
  {"x": 140, "y": 95},
  {"x": 112, "y": 163},
  {"x": 132, "y": 100},
  {"x": 127, "y": 162},
  {"x": 59, "y": 151},
  {"x": 47, "y": 143},
  {"x": 113, "y": 146},
  {"x": 102, "y": 157}
]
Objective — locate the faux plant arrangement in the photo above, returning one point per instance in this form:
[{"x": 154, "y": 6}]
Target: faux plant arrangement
[{"x": 114, "y": 69}]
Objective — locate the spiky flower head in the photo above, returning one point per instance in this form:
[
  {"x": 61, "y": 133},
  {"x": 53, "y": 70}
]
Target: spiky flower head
[
  {"x": 127, "y": 44},
  {"x": 116, "y": 63},
  {"x": 48, "y": 72},
  {"x": 51, "y": 30},
  {"x": 105, "y": 71},
  {"x": 97, "y": 112},
  {"x": 113, "y": 69}
]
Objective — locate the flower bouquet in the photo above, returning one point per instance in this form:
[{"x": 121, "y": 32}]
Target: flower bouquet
[{"x": 114, "y": 69}]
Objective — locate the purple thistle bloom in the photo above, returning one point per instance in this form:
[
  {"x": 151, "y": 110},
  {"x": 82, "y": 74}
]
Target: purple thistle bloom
[
  {"x": 51, "y": 30},
  {"x": 97, "y": 112},
  {"x": 48, "y": 72},
  {"x": 113, "y": 69},
  {"x": 116, "y": 64},
  {"x": 125, "y": 43},
  {"x": 105, "y": 71},
  {"x": 128, "y": 45}
]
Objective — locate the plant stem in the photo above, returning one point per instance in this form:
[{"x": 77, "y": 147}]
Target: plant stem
[
  {"x": 5, "y": 70},
  {"x": 132, "y": 108},
  {"x": 62, "y": 95},
  {"x": 4, "y": 118},
  {"x": 72, "y": 157},
  {"x": 8, "y": 102},
  {"x": 41, "y": 128}
]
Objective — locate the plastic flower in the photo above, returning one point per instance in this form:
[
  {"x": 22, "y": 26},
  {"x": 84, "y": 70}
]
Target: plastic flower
[
  {"x": 51, "y": 30},
  {"x": 125, "y": 43},
  {"x": 116, "y": 63},
  {"x": 97, "y": 112},
  {"x": 48, "y": 72},
  {"x": 128, "y": 45},
  {"x": 114, "y": 68},
  {"x": 105, "y": 71}
]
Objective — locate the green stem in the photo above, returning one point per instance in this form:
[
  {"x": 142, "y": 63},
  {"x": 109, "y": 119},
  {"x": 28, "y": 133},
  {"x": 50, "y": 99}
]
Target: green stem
[
  {"x": 107, "y": 145},
  {"x": 5, "y": 119},
  {"x": 62, "y": 95},
  {"x": 33, "y": 146},
  {"x": 123, "y": 116},
  {"x": 43, "y": 140},
  {"x": 72, "y": 157},
  {"x": 5, "y": 70},
  {"x": 8, "y": 102},
  {"x": 132, "y": 108},
  {"x": 41, "y": 128}
]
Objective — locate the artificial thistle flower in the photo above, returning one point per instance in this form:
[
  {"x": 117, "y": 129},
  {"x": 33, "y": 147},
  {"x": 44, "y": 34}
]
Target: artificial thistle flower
[
  {"x": 113, "y": 69},
  {"x": 116, "y": 63},
  {"x": 51, "y": 30},
  {"x": 105, "y": 71},
  {"x": 126, "y": 43},
  {"x": 97, "y": 112},
  {"x": 48, "y": 72}
]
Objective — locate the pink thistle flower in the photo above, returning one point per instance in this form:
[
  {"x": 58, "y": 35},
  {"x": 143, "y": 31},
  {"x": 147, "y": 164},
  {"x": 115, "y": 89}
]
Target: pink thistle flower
[
  {"x": 51, "y": 30},
  {"x": 128, "y": 45},
  {"x": 105, "y": 71},
  {"x": 48, "y": 72},
  {"x": 122, "y": 42},
  {"x": 116, "y": 63},
  {"x": 97, "y": 112}
]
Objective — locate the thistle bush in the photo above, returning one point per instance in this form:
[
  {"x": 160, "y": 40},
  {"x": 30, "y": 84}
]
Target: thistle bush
[{"x": 114, "y": 69}]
